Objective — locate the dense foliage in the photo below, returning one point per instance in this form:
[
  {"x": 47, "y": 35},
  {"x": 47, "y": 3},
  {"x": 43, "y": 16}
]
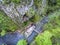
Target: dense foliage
[
  {"x": 44, "y": 39},
  {"x": 6, "y": 24},
  {"x": 51, "y": 34},
  {"x": 22, "y": 42},
  {"x": 9, "y": 1}
]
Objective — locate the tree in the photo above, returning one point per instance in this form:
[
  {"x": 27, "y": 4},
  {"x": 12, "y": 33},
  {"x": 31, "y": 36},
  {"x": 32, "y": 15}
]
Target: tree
[
  {"x": 7, "y": 1},
  {"x": 22, "y": 42},
  {"x": 44, "y": 39},
  {"x": 6, "y": 23},
  {"x": 15, "y": 1}
]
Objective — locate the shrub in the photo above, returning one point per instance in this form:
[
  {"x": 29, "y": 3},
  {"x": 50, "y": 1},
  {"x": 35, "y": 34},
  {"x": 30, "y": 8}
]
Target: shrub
[{"x": 22, "y": 42}]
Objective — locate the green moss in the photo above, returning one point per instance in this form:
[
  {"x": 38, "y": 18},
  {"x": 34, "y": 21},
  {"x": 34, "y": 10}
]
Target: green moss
[{"x": 36, "y": 18}]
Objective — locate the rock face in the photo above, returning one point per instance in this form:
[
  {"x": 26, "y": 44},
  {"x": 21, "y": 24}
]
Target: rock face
[
  {"x": 24, "y": 8},
  {"x": 16, "y": 13}
]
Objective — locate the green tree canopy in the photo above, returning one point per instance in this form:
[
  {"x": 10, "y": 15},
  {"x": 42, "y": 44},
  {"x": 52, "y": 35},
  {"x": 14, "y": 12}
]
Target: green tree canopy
[
  {"x": 44, "y": 39},
  {"x": 22, "y": 42}
]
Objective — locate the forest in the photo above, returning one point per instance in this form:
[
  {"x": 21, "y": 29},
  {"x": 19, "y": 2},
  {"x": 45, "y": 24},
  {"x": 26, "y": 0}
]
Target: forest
[{"x": 29, "y": 22}]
